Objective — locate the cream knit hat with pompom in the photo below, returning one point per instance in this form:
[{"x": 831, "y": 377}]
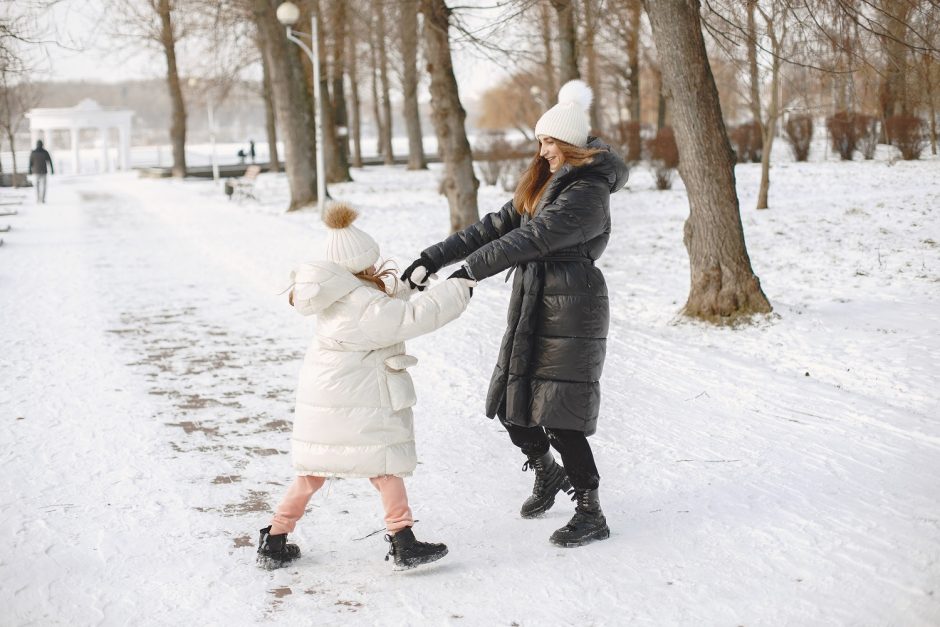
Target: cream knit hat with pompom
[
  {"x": 346, "y": 245},
  {"x": 568, "y": 120}
]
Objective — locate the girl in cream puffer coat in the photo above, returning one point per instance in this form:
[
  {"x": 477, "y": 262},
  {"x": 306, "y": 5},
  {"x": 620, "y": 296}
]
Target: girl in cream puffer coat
[{"x": 353, "y": 416}]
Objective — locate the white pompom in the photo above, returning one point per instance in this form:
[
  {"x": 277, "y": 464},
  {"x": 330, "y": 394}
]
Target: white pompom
[{"x": 576, "y": 91}]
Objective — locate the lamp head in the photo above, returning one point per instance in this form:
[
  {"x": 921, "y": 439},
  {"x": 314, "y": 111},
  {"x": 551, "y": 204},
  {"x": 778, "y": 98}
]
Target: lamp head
[{"x": 288, "y": 13}]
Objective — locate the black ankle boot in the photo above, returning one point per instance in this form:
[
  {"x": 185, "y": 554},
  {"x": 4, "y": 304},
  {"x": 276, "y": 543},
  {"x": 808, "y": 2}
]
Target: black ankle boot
[
  {"x": 550, "y": 477},
  {"x": 408, "y": 552},
  {"x": 274, "y": 551},
  {"x": 587, "y": 524}
]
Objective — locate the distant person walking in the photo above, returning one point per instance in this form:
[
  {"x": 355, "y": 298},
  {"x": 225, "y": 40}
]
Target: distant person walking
[
  {"x": 38, "y": 159},
  {"x": 251, "y": 149}
]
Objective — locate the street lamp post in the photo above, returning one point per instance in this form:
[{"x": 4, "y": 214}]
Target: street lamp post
[
  {"x": 288, "y": 14},
  {"x": 215, "y": 162}
]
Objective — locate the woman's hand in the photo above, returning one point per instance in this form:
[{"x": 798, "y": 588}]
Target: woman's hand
[
  {"x": 464, "y": 273},
  {"x": 419, "y": 273}
]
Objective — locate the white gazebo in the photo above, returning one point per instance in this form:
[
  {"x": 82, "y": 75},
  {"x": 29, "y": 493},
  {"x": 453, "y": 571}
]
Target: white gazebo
[{"x": 87, "y": 114}]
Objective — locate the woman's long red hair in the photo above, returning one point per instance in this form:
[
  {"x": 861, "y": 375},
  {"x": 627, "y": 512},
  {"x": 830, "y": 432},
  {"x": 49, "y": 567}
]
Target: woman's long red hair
[{"x": 533, "y": 181}]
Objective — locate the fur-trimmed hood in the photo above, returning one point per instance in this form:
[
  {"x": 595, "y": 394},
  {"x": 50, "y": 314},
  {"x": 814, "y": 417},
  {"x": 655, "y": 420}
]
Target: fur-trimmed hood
[{"x": 324, "y": 283}]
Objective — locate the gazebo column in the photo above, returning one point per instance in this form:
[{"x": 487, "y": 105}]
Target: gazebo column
[
  {"x": 73, "y": 138},
  {"x": 103, "y": 132},
  {"x": 46, "y": 138},
  {"x": 124, "y": 146},
  {"x": 33, "y": 137}
]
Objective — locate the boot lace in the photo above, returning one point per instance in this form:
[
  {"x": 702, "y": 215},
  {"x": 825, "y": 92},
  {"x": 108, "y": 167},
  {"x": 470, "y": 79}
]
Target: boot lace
[{"x": 536, "y": 464}]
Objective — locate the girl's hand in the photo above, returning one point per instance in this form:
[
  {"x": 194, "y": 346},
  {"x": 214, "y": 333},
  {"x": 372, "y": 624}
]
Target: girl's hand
[{"x": 419, "y": 272}]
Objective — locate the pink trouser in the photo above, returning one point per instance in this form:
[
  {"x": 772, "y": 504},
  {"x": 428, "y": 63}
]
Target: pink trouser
[{"x": 292, "y": 507}]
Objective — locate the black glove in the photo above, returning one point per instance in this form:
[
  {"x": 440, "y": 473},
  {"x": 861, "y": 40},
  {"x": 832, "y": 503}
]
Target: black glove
[
  {"x": 429, "y": 267},
  {"x": 463, "y": 273}
]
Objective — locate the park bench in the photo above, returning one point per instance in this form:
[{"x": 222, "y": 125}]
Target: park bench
[
  {"x": 243, "y": 187},
  {"x": 7, "y": 200}
]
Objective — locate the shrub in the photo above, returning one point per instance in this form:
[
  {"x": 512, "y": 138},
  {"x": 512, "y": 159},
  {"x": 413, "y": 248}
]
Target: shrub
[
  {"x": 799, "y": 130},
  {"x": 843, "y": 133},
  {"x": 747, "y": 142},
  {"x": 490, "y": 153},
  {"x": 908, "y": 134},
  {"x": 664, "y": 157},
  {"x": 866, "y": 133},
  {"x": 630, "y": 141}
]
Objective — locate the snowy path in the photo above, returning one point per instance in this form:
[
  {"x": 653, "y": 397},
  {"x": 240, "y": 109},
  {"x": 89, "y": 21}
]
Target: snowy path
[{"x": 784, "y": 473}]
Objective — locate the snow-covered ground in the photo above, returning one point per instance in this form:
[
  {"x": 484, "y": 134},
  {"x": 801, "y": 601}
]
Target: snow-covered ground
[{"x": 783, "y": 473}]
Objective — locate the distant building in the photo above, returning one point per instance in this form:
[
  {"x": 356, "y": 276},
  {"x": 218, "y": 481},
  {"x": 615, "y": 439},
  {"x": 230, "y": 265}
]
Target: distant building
[{"x": 87, "y": 114}]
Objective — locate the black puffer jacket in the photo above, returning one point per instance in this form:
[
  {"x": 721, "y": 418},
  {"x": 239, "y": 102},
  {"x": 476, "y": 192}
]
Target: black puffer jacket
[{"x": 552, "y": 354}]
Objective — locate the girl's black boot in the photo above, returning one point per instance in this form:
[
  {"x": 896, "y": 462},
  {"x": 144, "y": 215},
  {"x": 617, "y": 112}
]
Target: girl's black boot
[
  {"x": 550, "y": 477},
  {"x": 274, "y": 551},
  {"x": 587, "y": 524},
  {"x": 408, "y": 552}
]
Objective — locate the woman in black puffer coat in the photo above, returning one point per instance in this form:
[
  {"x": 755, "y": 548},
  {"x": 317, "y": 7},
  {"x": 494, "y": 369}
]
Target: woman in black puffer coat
[{"x": 546, "y": 384}]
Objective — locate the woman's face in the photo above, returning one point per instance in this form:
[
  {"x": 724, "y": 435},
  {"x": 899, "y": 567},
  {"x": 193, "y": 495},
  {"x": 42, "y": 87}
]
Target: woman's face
[{"x": 551, "y": 152}]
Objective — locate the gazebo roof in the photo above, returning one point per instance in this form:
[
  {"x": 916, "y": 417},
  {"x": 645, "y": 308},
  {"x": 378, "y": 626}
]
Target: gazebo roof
[{"x": 86, "y": 113}]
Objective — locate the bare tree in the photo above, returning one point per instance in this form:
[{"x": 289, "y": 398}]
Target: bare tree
[
  {"x": 292, "y": 104},
  {"x": 270, "y": 122},
  {"x": 160, "y": 24},
  {"x": 338, "y": 30},
  {"x": 567, "y": 40},
  {"x": 17, "y": 96},
  {"x": 590, "y": 61},
  {"x": 459, "y": 184},
  {"x": 337, "y": 169},
  {"x": 386, "y": 102},
  {"x": 723, "y": 284},
  {"x": 408, "y": 23},
  {"x": 548, "y": 48},
  {"x": 374, "y": 43},
  {"x": 168, "y": 38},
  {"x": 355, "y": 109}
]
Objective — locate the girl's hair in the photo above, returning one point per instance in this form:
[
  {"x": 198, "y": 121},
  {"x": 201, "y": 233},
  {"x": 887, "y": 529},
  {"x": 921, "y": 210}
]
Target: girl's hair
[
  {"x": 533, "y": 181},
  {"x": 376, "y": 275}
]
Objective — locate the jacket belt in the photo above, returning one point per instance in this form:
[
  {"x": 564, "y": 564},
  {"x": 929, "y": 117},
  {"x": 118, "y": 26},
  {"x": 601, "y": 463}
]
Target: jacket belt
[{"x": 573, "y": 258}]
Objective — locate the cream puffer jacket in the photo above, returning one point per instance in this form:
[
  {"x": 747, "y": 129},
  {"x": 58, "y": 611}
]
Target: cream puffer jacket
[{"x": 353, "y": 415}]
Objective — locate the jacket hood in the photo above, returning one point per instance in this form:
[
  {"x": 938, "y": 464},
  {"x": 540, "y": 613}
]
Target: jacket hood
[
  {"x": 606, "y": 163},
  {"x": 319, "y": 284}
]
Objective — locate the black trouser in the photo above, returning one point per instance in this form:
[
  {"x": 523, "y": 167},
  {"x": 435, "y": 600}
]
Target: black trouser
[{"x": 576, "y": 455}]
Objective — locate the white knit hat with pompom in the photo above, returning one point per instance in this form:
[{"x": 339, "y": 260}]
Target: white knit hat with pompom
[
  {"x": 352, "y": 248},
  {"x": 569, "y": 120}
]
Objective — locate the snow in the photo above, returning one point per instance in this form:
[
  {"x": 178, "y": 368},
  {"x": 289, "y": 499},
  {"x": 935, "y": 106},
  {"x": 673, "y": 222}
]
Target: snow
[{"x": 779, "y": 473}]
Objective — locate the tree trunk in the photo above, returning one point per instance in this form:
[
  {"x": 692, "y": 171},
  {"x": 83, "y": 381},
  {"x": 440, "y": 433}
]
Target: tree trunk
[
  {"x": 661, "y": 100},
  {"x": 567, "y": 41},
  {"x": 355, "y": 113},
  {"x": 337, "y": 170},
  {"x": 931, "y": 104},
  {"x": 409, "y": 83},
  {"x": 459, "y": 183},
  {"x": 753, "y": 73},
  {"x": 545, "y": 21},
  {"x": 633, "y": 50},
  {"x": 177, "y": 107},
  {"x": 723, "y": 285},
  {"x": 269, "y": 120},
  {"x": 292, "y": 105},
  {"x": 769, "y": 125},
  {"x": 374, "y": 43},
  {"x": 386, "y": 107},
  {"x": 894, "y": 98},
  {"x": 590, "y": 56},
  {"x": 11, "y": 139},
  {"x": 337, "y": 80}
]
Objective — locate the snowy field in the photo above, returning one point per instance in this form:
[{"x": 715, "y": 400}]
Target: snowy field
[{"x": 783, "y": 473}]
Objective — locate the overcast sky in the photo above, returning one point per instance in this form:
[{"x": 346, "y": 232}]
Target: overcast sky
[{"x": 78, "y": 46}]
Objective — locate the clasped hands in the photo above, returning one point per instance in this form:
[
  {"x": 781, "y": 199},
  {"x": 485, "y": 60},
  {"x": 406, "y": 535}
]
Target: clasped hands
[{"x": 423, "y": 269}]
